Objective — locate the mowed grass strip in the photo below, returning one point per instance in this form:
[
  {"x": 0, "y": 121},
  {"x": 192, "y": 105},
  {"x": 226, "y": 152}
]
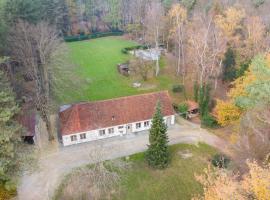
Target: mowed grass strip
[{"x": 175, "y": 182}]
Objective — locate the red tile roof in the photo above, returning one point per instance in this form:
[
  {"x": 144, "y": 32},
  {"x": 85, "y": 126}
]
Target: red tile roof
[
  {"x": 101, "y": 114},
  {"x": 192, "y": 105},
  {"x": 27, "y": 118}
]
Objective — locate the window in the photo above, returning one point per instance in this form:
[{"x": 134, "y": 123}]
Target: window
[
  {"x": 120, "y": 127},
  {"x": 138, "y": 125},
  {"x": 83, "y": 136},
  {"x": 146, "y": 124},
  {"x": 73, "y": 138},
  {"x": 111, "y": 130},
  {"x": 102, "y": 132}
]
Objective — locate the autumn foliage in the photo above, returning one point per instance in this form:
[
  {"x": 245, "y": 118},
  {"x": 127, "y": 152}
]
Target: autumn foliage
[
  {"x": 219, "y": 184},
  {"x": 227, "y": 113}
]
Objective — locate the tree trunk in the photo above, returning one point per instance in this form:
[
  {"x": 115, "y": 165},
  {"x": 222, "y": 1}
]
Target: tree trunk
[
  {"x": 179, "y": 57},
  {"x": 157, "y": 44},
  {"x": 157, "y": 61},
  {"x": 183, "y": 57},
  {"x": 49, "y": 127}
]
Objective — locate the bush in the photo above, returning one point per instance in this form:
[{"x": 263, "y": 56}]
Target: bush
[
  {"x": 127, "y": 49},
  {"x": 209, "y": 121},
  {"x": 183, "y": 109},
  {"x": 243, "y": 68},
  {"x": 258, "y": 3},
  {"x": 220, "y": 161},
  {"x": 177, "y": 88},
  {"x": 92, "y": 36},
  {"x": 5, "y": 194}
]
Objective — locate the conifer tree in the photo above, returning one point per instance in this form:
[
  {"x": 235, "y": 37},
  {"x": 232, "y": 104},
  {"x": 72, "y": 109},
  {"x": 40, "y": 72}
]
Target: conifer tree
[
  {"x": 157, "y": 154},
  {"x": 9, "y": 130}
]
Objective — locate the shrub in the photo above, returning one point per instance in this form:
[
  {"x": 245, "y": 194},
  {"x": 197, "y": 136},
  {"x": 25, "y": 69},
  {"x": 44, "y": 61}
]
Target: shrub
[
  {"x": 209, "y": 121},
  {"x": 127, "y": 49},
  {"x": 220, "y": 161},
  {"x": 92, "y": 36},
  {"x": 183, "y": 109},
  {"x": 5, "y": 194},
  {"x": 258, "y": 3},
  {"x": 243, "y": 68},
  {"x": 177, "y": 88}
]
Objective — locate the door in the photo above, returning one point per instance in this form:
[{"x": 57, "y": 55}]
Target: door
[{"x": 129, "y": 128}]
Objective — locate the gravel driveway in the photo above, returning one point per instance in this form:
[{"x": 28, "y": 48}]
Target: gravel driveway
[{"x": 41, "y": 184}]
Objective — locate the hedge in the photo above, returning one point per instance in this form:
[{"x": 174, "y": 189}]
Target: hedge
[
  {"x": 92, "y": 36},
  {"x": 127, "y": 49}
]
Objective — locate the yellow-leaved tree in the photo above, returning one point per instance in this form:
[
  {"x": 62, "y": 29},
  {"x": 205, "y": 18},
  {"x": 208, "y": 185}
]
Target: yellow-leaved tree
[
  {"x": 221, "y": 185},
  {"x": 240, "y": 85},
  {"x": 227, "y": 112},
  {"x": 231, "y": 21},
  {"x": 257, "y": 181}
]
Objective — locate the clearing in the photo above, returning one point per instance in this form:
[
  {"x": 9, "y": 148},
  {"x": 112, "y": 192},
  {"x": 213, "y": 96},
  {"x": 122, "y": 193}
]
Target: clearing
[{"x": 96, "y": 64}]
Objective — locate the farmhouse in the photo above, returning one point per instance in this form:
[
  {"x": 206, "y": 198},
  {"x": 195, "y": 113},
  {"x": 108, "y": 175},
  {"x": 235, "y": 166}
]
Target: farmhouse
[{"x": 90, "y": 121}]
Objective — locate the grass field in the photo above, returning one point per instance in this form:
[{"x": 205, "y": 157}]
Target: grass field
[
  {"x": 96, "y": 63},
  {"x": 175, "y": 182},
  {"x": 139, "y": 182}
]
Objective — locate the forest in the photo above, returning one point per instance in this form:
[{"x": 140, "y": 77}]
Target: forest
[{"x": 218, "y": 51}]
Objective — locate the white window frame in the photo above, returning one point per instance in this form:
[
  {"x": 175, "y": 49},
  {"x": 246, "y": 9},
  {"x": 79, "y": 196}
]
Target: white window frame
[
  {"x": 146, "y": 123},
  {"x": 102, "y": 132},
  {"x": 83, "y": 136},
  {"x": 111, "y": 130},
  {"x": 120, "y": 127},
  {"x": 138, "y": 125},
  {"x": 73, "y": 138}
]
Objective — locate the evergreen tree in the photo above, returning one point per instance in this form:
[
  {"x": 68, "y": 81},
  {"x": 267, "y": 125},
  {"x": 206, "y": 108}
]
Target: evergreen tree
[
  {"x": 229, "y": 72},
  {"x": 9, "y": 130},
  {"x": 196, "y": 91},
  {"x": 204, "y": 99},
  {"x": 157, "y": 154}
]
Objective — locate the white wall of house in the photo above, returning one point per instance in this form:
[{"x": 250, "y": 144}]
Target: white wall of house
[{"x": 107, "y": 132}]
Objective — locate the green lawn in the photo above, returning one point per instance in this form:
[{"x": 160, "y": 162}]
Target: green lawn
[
  {"x": 175, "y": 182},
  {"x": 96, "y": 65},
  {"x": 140, "y": 182}
]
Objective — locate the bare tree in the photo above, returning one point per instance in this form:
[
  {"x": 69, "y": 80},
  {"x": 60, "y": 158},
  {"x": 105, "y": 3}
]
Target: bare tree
[
  {"x": 37, "y": 49},
  {"x": 153, "y": 23},
  {"x": 254, "y": 138},
  {"x": 207, "y": 46},
  {"x": 256, "y": 37},
  {"x": 178, "y": 17},
  {"x": 141, "y": 67}
]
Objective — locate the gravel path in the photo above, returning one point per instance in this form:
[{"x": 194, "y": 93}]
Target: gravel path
[{"x": 40, "y": 185}]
